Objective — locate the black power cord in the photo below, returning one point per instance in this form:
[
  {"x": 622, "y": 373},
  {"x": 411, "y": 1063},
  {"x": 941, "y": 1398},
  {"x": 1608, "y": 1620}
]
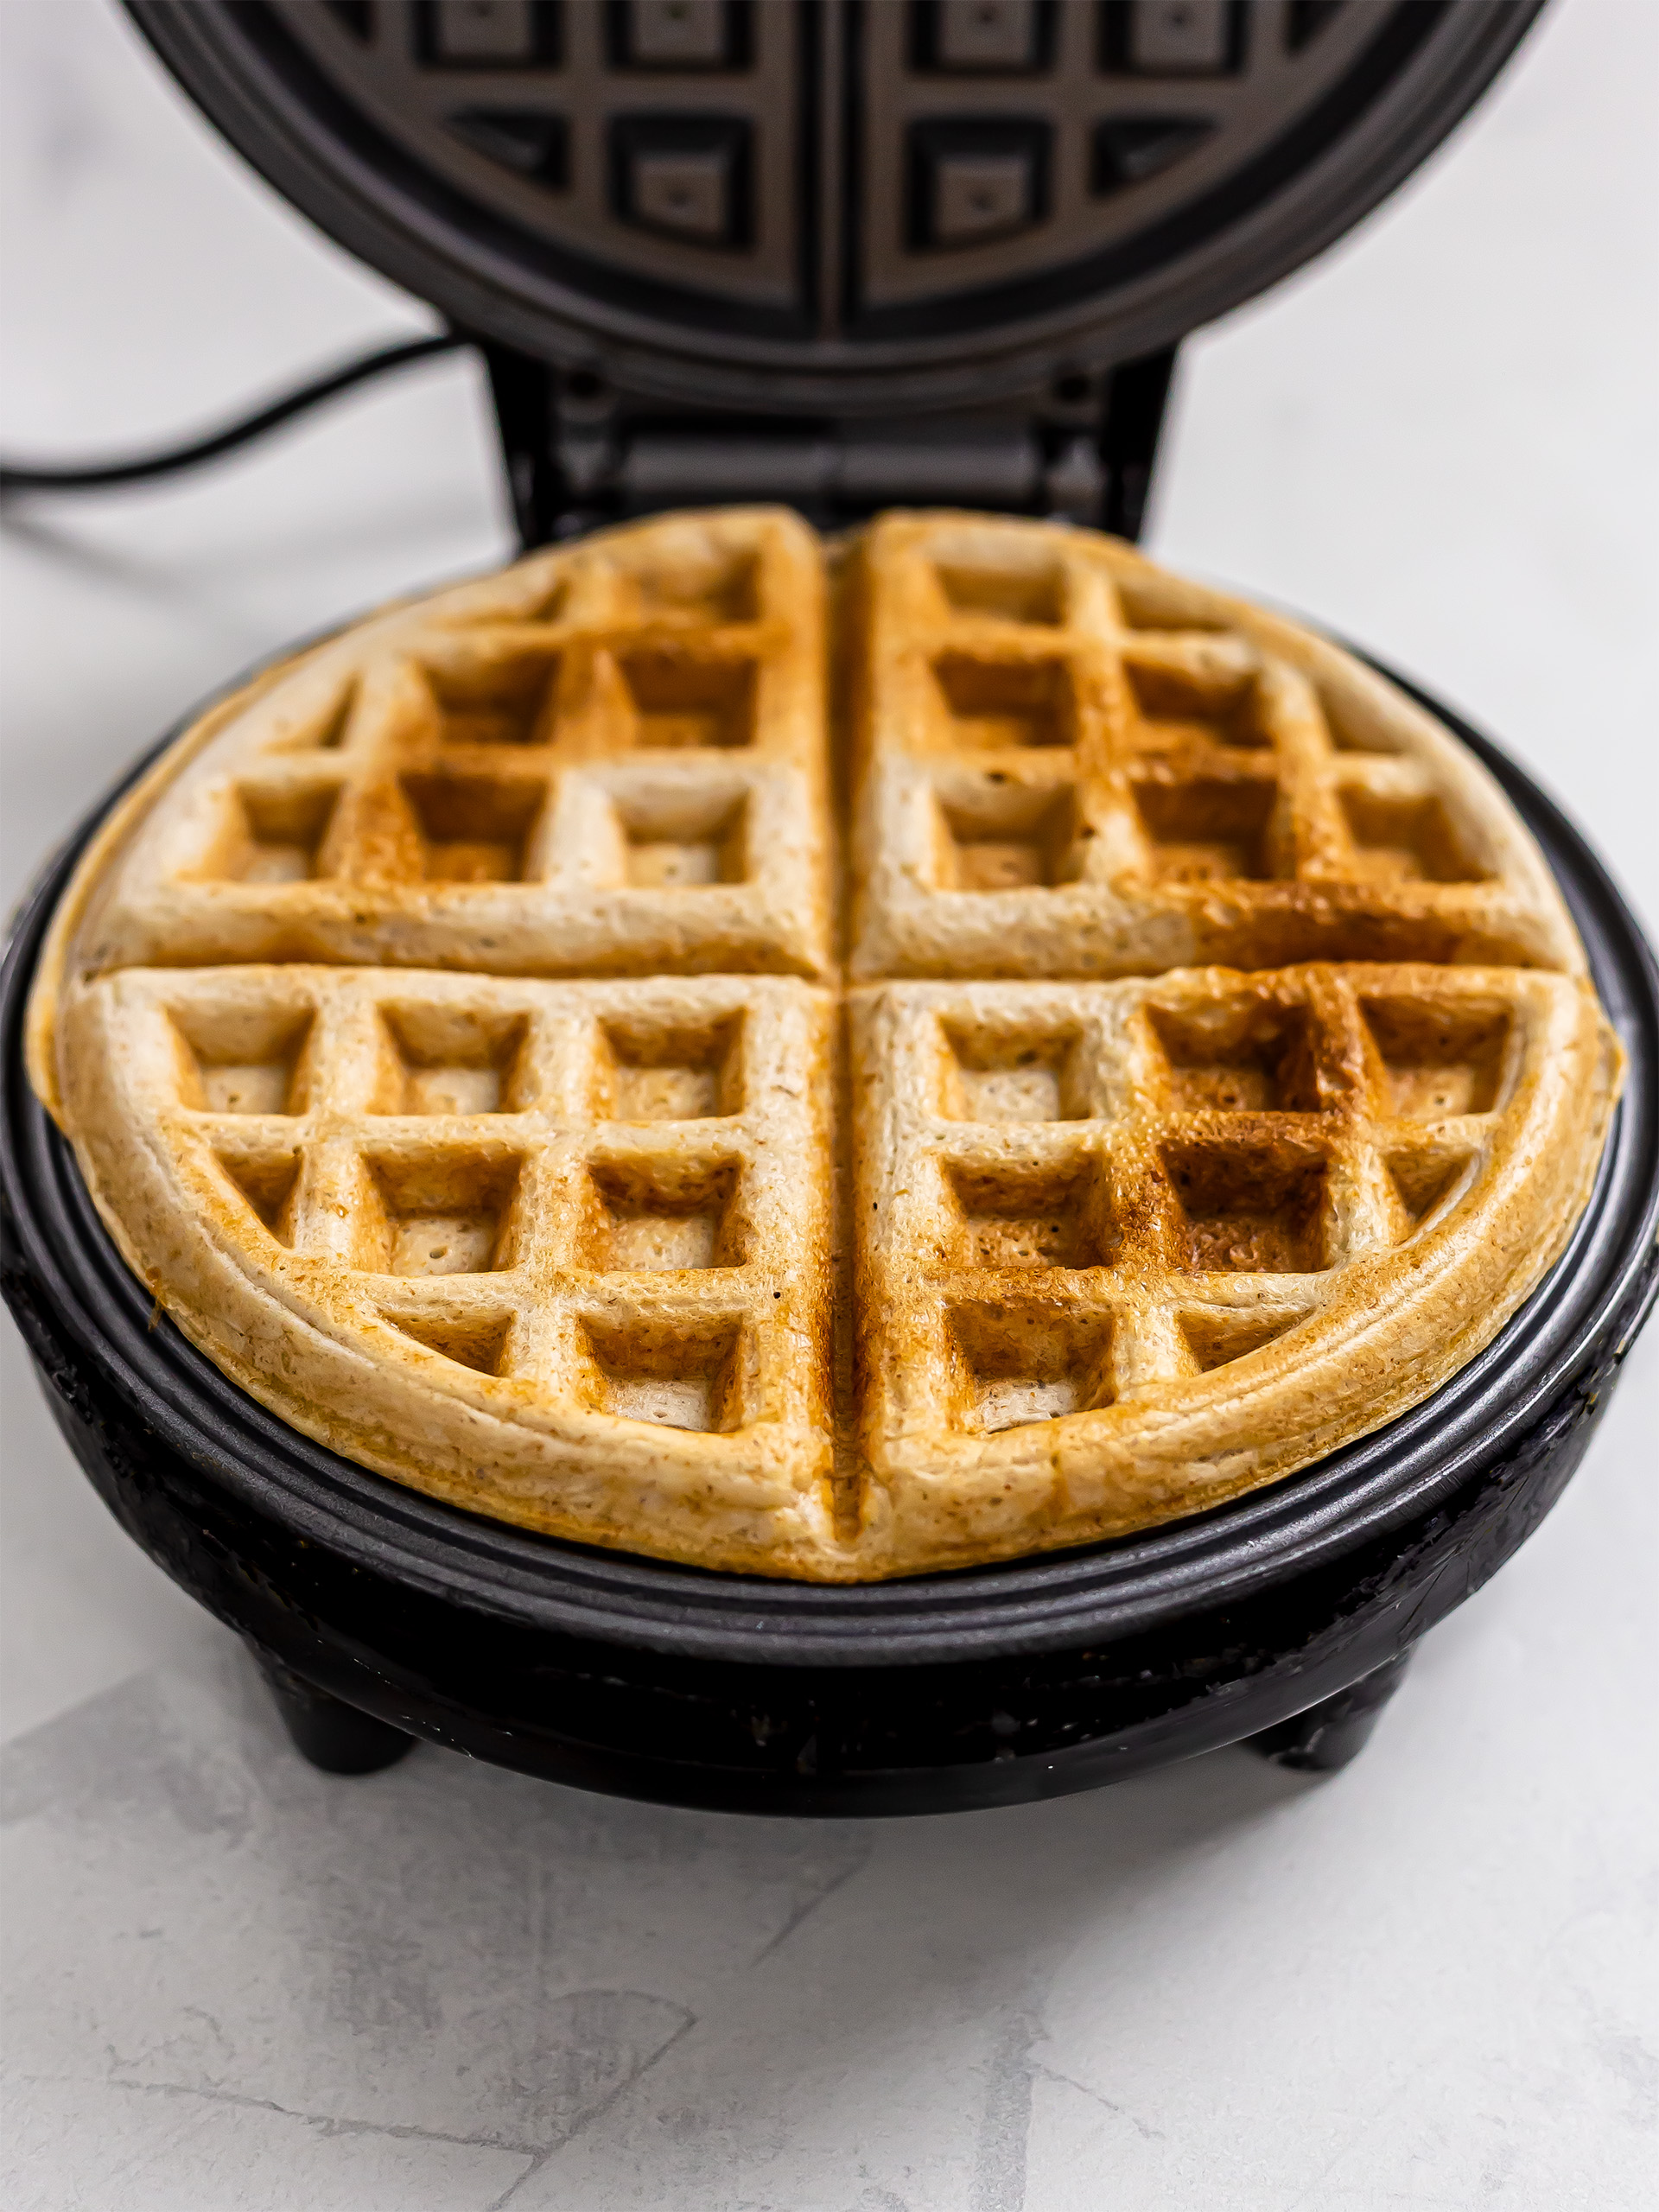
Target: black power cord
[{"x": 18, "y": 476}]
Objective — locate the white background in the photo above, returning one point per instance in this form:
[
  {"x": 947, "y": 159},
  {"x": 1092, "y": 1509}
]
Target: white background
[{"x": 1431, "y": 1981}]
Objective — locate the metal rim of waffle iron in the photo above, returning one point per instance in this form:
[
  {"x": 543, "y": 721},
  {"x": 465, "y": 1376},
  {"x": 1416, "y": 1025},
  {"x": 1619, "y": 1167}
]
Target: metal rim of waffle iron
[{"x": 162, "y": 1431}]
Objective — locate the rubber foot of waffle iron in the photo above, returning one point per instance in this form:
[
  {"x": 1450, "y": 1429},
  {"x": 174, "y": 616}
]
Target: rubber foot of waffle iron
[
  {"x": 332, "y": 1736},
  {"x": 1338, "y": 1729}
]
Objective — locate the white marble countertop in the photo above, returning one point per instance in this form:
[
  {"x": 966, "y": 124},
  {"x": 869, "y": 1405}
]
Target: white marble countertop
[{"x": 235, "y": 1985}]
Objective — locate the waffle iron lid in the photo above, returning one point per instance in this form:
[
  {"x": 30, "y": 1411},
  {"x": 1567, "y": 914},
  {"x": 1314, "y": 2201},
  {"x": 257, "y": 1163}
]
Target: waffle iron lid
[{"x": 866, "y": 206}]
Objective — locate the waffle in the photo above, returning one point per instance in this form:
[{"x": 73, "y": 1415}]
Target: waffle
[
  {"x": 1071, "y": 763},
  {"x": 554, "y": 1250},
  {"x": 450, "y": 1033},
  {"x": 1130, "y": 1249},
  {"x": 605, "y": 762}
]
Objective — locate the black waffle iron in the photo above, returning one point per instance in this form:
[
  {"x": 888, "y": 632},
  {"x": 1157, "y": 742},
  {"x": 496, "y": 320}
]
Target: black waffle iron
[{"x": 846, "y": 256}]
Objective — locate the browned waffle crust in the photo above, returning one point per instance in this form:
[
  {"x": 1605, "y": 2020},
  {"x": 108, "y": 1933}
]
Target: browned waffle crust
[{"x": 451, "y": 1032}]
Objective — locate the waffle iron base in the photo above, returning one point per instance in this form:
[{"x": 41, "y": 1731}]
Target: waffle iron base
[{"x": 1285, "y": 1618}]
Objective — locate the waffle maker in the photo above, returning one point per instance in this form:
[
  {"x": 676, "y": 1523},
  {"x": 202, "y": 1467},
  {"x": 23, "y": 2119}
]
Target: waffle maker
[{"x": 846, "y": 257}]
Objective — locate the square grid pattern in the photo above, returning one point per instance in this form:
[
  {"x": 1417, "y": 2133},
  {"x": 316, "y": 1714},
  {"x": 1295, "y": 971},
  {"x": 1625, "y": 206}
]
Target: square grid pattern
[
  {"x": 615, "y": 1195},
  {"x": 1060, "y": 775},
  {"x": 1011, "y": 135},
  {"x": 656, "y": 138},
  {"x": 1085, "y": 1193},
  {"x": 627, "y": 776},
  {"x": 954, "y": 146}
]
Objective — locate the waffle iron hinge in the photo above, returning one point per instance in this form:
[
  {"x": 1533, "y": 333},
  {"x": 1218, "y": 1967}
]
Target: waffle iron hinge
[{"x": 580, "y": 453}]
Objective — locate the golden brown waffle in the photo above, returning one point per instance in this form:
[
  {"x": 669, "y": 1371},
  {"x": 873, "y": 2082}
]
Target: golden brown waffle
[
  {"x": 1072, "y": 763},
  {"x": 608, "y": 761},
  {"x": 605, "y": 1232},
  {"x": 1130, "y": 1248},
  {"x": 559, "y": 1250}
]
